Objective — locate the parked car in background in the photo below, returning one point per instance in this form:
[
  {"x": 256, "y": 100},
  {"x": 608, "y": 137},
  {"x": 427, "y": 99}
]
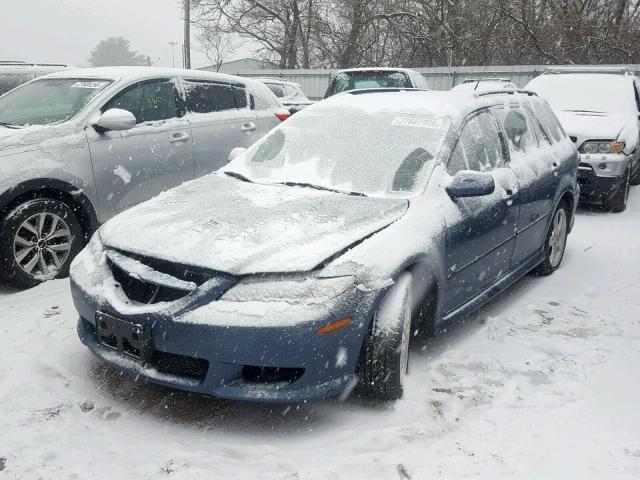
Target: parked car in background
[
  {"x": 485, "y": 84},
  {"x": 309, "y": 260},
  {"x": 290, "y": 94},
  {"x": 599, "y": 109},
  {"x": 366, "y": 78},
  {"x": 14, "y": 73},
  {"x": 79, "y": 146}
]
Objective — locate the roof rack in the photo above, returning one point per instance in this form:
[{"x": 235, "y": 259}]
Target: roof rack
[
  {"x": 384, "y": 89},
  {"x": 487, "y": 79},
  {"x": 620, "y": 70},
  {"x": 20, "y": 63},
  {"x": 505, "y": 91}
]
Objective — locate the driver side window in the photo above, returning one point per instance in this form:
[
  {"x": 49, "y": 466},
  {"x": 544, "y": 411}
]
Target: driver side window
[
  {"x": 478, "y": 147},
  {"x": 149, "y": 101}
]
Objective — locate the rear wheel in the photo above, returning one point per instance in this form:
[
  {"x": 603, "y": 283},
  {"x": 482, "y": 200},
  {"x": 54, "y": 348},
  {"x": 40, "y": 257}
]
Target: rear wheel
[
  {"x": 384, "y": 359},
  {"x": 618, "y": 202},
  {"x": 556, "y": 242},
  {"x": 39, "y": 240},
  {"x": 635, "y": 179}
]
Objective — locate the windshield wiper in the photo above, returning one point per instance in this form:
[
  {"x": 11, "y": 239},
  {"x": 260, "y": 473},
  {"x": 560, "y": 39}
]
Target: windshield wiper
[
  {"x": 583, "y": 111},
  {"x": 237, "y": 175},
  {"x": 320, "y": 187},
  {"x": 8, "y": 125}
]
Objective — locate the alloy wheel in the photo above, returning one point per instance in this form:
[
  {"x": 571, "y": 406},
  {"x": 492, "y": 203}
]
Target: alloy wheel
[
  {"x": 558, "y": 237},
  {"x": 42, "y": 244}
]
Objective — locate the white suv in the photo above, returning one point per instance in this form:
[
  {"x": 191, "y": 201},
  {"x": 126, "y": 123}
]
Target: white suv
[{"x": 599, "y": 107}]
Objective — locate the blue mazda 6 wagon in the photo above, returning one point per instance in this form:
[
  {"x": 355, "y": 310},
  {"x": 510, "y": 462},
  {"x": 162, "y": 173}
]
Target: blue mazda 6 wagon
[{"x": 301, "y": 269}]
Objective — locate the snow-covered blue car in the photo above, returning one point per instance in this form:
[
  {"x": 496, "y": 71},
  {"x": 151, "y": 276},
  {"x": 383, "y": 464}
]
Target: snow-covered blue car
[{"x": 303, "y": 268}]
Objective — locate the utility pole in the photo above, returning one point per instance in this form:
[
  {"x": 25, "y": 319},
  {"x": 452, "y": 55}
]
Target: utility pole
[{"x": 187, "y": 33}]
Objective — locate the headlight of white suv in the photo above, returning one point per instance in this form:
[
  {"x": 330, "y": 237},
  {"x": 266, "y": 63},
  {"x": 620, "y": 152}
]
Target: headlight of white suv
[{"x": 595, "y": 147}]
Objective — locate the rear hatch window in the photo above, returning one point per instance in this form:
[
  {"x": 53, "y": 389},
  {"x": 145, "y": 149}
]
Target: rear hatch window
[{"x": 361, "y": 79}]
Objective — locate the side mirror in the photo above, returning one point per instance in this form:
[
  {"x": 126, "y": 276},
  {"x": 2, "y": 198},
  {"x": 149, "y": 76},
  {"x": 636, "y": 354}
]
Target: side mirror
[
  {"x": 468, "y": 183},
  {"x": 116, "y": 119},
  {"x": 235, "y": 153}
]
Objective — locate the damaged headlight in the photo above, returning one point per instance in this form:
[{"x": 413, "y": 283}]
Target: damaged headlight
[{"x": 289, "y": 289}]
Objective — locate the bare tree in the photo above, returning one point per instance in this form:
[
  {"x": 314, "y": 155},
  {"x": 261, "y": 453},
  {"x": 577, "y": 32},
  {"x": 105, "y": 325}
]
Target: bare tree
[
  {"x": 347, "y": 33},
  {"x": 216, "y": 44}
]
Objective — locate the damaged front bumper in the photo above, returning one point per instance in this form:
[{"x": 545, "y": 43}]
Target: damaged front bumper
[
  {"x": 247, "y": 350},
  {"x": 601, "y": 175}
]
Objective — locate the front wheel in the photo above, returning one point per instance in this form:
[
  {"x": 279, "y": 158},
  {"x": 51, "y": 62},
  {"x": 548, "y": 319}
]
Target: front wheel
[
  {"x": 384, "y": 359},
  {"x": 39, "y": 240},
  {"x": 556, "y": 241},
  {"x": 618, "y": 203}
]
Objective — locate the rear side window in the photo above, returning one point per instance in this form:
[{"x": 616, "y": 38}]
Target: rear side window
[
  {"x": 277, "y": 89},
  {"x": 547, "y": 119},
  {"x": 263, "y": 98},
  {"x": 479, "y": 147},
  {"x": 148, "y": 101},
  {"x": 207, "y": 97}
]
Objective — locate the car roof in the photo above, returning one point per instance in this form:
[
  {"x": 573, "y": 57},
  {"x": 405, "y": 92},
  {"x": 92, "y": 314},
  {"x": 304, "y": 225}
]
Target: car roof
[
  {"x": 144, "y": 73},
  {"x": 612, "y": 70},
  {"x": 275, "y": 80},
  {"x": 424, "y": 102},
  {"x": 474, "y": 80},
  {"x": 376, "y": 69}
]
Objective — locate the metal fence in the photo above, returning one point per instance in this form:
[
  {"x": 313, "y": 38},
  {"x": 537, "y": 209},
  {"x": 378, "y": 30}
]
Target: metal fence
[{"x": 315, "y": 81}]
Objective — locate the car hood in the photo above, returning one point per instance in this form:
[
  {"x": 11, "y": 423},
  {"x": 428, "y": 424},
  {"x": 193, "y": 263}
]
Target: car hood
[
  {"x": 227, "y": 225},
  {"x": 595, "y": 126},
  {"x": 13, "y": 140}
]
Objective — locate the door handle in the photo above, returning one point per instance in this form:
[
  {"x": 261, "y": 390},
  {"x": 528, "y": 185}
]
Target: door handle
[
  {"x": 248, "y": 127},
  {"x": 179, "y": 137}
]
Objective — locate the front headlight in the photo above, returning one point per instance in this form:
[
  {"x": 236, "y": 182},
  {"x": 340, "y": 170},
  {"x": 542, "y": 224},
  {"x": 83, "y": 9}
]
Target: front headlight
[
  {"x": 604, "y": 147},
  {"x": 292, "y": 289}
]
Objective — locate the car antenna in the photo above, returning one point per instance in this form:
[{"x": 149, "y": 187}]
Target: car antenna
[{"x": 481, "y": 76}]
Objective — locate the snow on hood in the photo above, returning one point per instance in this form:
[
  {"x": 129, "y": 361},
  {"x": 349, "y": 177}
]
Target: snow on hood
[
  {"x": 227, "y": 225},
  {"x": 16, "y": 139},
  {"x": 596, "y": 126}
]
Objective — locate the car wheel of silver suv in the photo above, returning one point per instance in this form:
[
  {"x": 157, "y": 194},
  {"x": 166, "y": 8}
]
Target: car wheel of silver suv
[{"x": 39, "y": 240}]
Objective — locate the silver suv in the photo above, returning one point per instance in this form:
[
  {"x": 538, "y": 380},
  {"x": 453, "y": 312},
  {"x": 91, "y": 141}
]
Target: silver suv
[
  {"x": 599, "y": 108},
  {"x": 79, "y": 146}
]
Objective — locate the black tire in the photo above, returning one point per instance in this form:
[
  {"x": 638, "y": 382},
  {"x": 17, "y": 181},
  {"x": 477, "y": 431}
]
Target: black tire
[
  {"x": 553, "y": 259},
  {"x": 53, "y": 241},
  {"x": 635, "y": 179},
  {"x": 385, "y": 353},
  {"x": 618, "y": 202}
]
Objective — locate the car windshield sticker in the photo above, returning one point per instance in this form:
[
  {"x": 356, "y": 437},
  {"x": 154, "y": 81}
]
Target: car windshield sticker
[
  {"x": 89, "y": 84},
  {"x": 419, "y": 122}
]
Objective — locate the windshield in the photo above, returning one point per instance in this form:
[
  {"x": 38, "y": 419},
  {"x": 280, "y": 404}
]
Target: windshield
[
  {"x": 47, "y": 101},
  {"x": 358, "y": 80},
  {"x": 386, "y": 154},
  {"x": 585, "y": 92}
]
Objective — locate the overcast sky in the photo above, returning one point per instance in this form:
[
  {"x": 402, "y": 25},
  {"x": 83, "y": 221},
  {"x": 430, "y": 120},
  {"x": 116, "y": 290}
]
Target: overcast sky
[{"x": 66, "y": 31}]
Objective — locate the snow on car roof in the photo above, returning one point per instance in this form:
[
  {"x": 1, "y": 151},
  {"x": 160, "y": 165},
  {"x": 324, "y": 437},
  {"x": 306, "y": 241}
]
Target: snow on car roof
[
  {"x": 420, "y": 102},
  {"x": 142, "y": 73},
  {"x": 375, "y": 69},
  {"x": 275, "y": 80}
]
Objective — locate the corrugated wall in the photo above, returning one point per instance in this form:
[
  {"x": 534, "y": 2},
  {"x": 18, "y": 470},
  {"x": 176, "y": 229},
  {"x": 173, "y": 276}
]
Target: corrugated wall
[{"x": 315, "y": 82}]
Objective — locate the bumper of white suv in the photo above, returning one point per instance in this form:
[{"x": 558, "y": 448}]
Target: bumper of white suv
[{"x": 605, "y": 165}]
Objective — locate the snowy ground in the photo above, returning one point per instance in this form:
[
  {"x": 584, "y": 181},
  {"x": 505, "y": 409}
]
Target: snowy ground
[{"x": 543, "y": 383}]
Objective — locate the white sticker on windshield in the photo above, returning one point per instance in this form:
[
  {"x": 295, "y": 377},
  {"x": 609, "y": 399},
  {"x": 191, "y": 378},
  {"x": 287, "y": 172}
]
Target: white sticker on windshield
[
  {"x": 93, "y": 85},
  {"x": 419, "y": 122}
]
